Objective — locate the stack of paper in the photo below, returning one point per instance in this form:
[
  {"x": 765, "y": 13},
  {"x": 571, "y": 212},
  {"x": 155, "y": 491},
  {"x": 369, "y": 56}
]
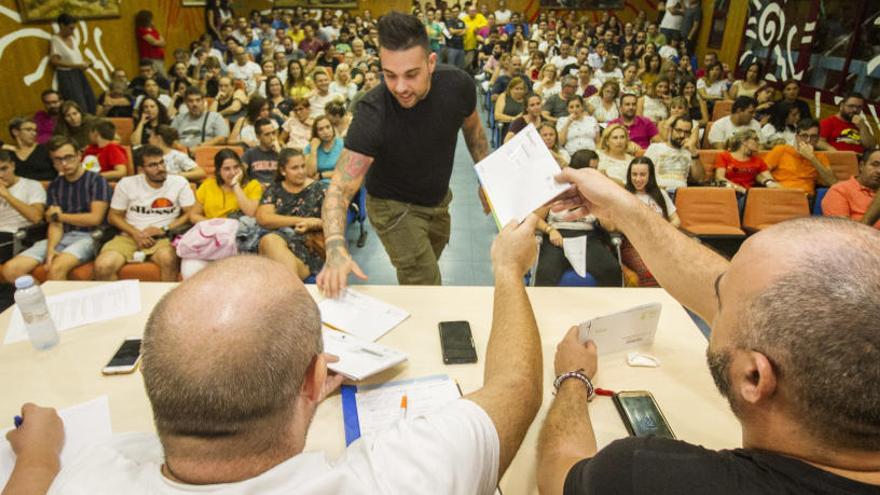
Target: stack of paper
[
  {"x": 358, "y": 358},
  {"x": 634, "y": 327},
  {"x": 81, "y": 307},
  {"x": 360, "y": 315},
  {"x": 518, "y": 177},
  {"x": 84, "y": 425}
]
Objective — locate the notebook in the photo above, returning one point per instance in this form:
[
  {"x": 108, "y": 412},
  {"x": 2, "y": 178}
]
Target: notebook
[{"x": 359, "y": 359}]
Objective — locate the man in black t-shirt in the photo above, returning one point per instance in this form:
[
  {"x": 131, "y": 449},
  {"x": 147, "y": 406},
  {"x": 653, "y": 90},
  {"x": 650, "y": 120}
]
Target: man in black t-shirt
[
  {"x": 794, "y": 348},
  {"x": 404, "y": 133},
  {"x": 453, "y": 52}
]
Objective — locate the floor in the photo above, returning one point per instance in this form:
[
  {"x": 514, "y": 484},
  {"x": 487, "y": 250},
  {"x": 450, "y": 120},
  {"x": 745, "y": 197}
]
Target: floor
[{"x": 465, "y": 261}]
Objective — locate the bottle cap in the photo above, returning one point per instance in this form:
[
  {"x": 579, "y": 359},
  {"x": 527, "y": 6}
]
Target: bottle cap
[{"x": 24, "y": 281}]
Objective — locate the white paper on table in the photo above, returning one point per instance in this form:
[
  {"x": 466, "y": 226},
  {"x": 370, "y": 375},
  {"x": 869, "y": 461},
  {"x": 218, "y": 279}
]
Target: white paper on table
[
  {"x": 627, "y": 329},
  {"x": 378, "y": 406},
  {"x": 81, "y": 307},
  {"x": 361, "y": 315},
  {"x": 575, "y": 249},
  {"x": 84, "y": 424},
  {"x": 518, "y": 177},
  {"x": 359, "y": 359}
]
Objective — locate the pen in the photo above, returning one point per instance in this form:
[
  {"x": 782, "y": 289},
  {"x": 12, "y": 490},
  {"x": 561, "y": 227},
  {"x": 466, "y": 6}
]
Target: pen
[
  {"x": 403, "y": 407},
  {"x": 602, "y": 391},
  {"x": 18, "y": 421}
]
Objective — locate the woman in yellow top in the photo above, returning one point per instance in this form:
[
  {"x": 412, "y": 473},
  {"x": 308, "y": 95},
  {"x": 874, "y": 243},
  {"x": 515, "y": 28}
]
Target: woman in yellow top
[{"x": 298, "y": 85}]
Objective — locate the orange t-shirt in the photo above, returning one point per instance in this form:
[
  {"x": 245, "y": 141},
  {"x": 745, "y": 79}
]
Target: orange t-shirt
[
  {"x": 848, "y": 199},
  {"x": 791, "y": 170}
]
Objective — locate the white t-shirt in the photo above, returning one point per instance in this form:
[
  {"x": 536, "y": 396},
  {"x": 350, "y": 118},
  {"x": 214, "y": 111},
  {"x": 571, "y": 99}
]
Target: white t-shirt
[
  {"x": 145, "y": 206},
  {"x": 27, "y": 191},
  {"x": 68, "y": 55},
  {"x": 652, "y": 203},
  {"x": 667, "y": 52},
  {"x": 346, "y": 92},
  {"x": 723, "y": 128},
  {"x": 318, "y": 102},
  {"x": 246, "y": 73},
  {"x": 453, "y": 451},
  {"x": 717, "y": 88},
  {"x": 670, "y": 21},
  {"x": 581, "y": 133},
  {"x": 673, "y": 165},
  {"x": 177, "y": 162},
  {"x": 547, "y": 92},
  {"x": 502, "y": 16},
  {"x": 613, "y": 167},
  {"x": 562, "y": 63},
  {"x": 769, "y": 135}
]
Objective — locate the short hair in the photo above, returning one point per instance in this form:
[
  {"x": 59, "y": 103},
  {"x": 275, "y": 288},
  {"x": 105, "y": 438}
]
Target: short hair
[
  {"x": 16, "y": 122},
  {"x": 807, "y": 123},
  {"x": 513, "y": 83},
  {"x": 259, "y": 125},
  {"x": 606, "y": 135},
  {"x": 167, "y": 134},
  {"x": 145, "y": 62},
  {"x": 742, "y": 103},
  {"x": 57, "y": 142},
  {"x": 105, "y": 128},
  {"x": 143, "y": 18},
  {"x": 192, "y": 91},
  {"x": 682, "y": 118},
  {"x": 144, "y": 151},
  {"x": 233, "y": 389},
  {"x": 335, "y": 108},
  {"x": 625, "y": 95},
  {"x": 866, "y": 155},
  {"x": 222, "y": 156},
  {"x": 65, "y": 19},
  {"x": 582, "y": 158},
  {"x": 398, "y": 32},
  {"x": 821, "y": 350},
  {"x": 5, "y": 156},
  {"x": 47, "y": 92},
  {"x": 285, "y": 156},
  {"x": 852, "y": 94}
]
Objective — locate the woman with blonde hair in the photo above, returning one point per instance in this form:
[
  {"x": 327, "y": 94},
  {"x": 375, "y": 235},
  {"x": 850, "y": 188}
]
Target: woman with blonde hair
[
  {"x": 603, "y": 105},
  {"x": 653, "y": 104},
  {"x": 342, "y": 84},
  {"x": 549, "y": 84},
  {"x": 510, "y": 104},
  {"x": 739, "y": 166},
  {"x": 613, "y": 156}
]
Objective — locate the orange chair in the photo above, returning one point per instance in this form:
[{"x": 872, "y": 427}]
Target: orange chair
[
  {"x": 708, "y": 211},
  {"x": 130, "y": 164},
  {"x": 204, "y": 156},
  {"x": 765, "y": 207},
  {"x": 145, "y": 272},
  {"x": 845, "y": 164},
  {"x": 722, "y": 109},
  {"x": 708, "y": 158},
  {"x": 124, "y": 128}
]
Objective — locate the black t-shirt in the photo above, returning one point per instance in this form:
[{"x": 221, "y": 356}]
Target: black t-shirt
[
  {"x": 658, "y": 466},
  {"x": 37, "y": 166},
  {"x": 455, "y": 41},
  {"x": 413, "y": 149}
]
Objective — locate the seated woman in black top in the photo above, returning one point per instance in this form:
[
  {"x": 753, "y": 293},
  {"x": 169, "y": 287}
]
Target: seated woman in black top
[
  {"x": 31, "y": 158},
  {"x": 150, "y": 115},
  {"x": 291, "y": 210}
]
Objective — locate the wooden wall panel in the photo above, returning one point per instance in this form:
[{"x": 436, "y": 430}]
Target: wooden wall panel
[{"x": 24, "y": 49}]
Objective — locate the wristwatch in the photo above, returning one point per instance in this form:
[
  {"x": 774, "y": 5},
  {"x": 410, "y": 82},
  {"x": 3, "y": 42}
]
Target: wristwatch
[{"x": 579, "y": 374}]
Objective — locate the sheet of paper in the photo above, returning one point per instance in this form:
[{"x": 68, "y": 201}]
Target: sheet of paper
[
  {"x": 363, "y": 316},
  {"x": 82, "y": 307},
  {"x": 378, "y": 406},
  {"x": 632, "y": 328},
  {"x": 518, "y": 177},
  {"x": 575, "y": 249},
  {"x": 84, "y": 425},
  {"x": 359, "y": 359}
]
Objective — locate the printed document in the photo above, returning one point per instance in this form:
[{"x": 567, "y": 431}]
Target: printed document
[
  {"x": 359, "y": 359},
  {"x": 363, "y": 316},
  {"x": 627, "y": 329}
]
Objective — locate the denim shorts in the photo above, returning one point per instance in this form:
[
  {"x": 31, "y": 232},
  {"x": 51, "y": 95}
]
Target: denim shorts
[{"x": 75, "y": 243}]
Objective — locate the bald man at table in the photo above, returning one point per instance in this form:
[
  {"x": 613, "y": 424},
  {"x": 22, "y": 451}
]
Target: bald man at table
[
  {"x": 234, "y": 385},
  {"x": 795, "y": 348}
]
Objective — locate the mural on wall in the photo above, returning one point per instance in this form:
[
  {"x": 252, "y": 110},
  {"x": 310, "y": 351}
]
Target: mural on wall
[
  {"x": 88, "y": 41},
  {"x": 767, "y": 27},
  {"x": 582, "y": 4},
  {"x": 48, "y": 10}
]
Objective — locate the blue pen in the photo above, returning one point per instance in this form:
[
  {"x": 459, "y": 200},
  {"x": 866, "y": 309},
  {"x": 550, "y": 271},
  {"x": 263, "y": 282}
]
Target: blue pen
[{"x": 18, "y": 421}]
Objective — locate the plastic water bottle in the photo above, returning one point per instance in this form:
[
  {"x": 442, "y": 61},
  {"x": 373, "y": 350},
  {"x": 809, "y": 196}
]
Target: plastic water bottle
[{"x": 37, "y": 320}]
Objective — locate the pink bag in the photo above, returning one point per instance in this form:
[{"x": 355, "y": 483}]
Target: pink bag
[{"x": 209, "y": 240}]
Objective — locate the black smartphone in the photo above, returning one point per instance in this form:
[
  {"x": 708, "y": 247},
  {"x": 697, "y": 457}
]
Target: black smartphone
[
  {"x": 457, "y": 342},
  {"x": 126, "y": 358},
  {"x": 641, "y": 415}
]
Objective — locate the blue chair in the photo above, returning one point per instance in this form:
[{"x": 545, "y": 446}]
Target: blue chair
[
  {"x": 571, "y": 279},
  {"x": 357, "y": 212},
  {"x": 817, "y": 201},
  {"x": 310, "y": 279}
]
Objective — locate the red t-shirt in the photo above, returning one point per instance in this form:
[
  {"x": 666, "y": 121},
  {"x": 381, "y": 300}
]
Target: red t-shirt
[
  {"x": 740, "y": 173},
  {"x": 108, "y": 157},
  {"x": 145, "y": 49},
  {"x": 842, "y": 135}
]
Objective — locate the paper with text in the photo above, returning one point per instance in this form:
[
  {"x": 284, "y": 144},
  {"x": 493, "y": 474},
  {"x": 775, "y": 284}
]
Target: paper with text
[
  {"x": 84, "y": 424},
  {"x": 518, "y": 177},
  {"x": 361, "y": 315},
  {"x": 631, "y": 328},
  {"x": 378, "y": 406},
  {"x": 575, "y": 249},
  {"x": 81, "y": 307},
  {"x": 358, "y": 358}
]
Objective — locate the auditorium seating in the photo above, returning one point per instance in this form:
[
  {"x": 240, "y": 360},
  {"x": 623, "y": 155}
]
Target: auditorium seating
[
  {"x": 722, "y": 109},
  {"x": 765, "y": 207},
  {"x": 845, "y": 164},
  {"x": 124, "y": 128},
  {"x": 712, "y": 215},
  {"x": 204, "y": 156}
]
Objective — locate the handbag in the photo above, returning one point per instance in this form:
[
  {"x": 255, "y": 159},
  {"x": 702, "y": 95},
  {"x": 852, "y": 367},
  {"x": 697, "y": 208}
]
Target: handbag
[{"x": 209, "y": 240}]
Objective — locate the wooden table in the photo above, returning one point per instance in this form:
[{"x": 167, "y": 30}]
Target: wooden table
[{"x": 71, "y": 372}]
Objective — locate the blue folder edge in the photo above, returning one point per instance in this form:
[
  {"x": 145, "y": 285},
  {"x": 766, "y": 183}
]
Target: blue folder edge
[{"x": 350, "y": 414}]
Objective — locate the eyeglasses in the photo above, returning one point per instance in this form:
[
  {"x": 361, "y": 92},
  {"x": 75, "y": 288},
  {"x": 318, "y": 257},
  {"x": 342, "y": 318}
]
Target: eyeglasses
[
  {"x": 809, "y": 137},
  {"x": 63, "y": 159},
  {"x": 157, "y": 163}
]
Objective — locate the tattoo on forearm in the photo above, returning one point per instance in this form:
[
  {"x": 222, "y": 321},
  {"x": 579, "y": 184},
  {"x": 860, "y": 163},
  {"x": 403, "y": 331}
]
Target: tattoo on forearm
[
  {"x": 476, "y": 141},
  {"x": 350, "y": 173}
]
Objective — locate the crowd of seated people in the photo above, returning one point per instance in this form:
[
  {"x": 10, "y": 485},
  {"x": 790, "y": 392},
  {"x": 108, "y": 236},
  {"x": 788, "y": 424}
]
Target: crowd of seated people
[{"x": 291, "y": 80}]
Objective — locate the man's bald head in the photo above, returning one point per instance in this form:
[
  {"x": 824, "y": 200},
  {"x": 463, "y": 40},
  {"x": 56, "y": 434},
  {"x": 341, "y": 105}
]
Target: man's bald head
[
  {"x": 225, "y": 352},
  {"x": 814, "y": 316}
]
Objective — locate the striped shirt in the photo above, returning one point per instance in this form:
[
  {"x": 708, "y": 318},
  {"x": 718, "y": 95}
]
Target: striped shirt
[{"x": 77, "y": 196}]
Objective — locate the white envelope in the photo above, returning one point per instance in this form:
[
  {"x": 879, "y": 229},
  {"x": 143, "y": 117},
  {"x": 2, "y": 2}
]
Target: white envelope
[{"x": 628, "y": 329}]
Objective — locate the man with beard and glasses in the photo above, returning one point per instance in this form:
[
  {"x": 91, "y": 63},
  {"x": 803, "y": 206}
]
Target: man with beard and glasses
[
  {"x": 677, "y": 158},
  {"x": 48, "y": 117},
  {"x": 848, "y": 131},
  {"x": 404, "y": 134},
  {"x": 793, "y": 348},
  {"x": 145, "y": 207}
]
